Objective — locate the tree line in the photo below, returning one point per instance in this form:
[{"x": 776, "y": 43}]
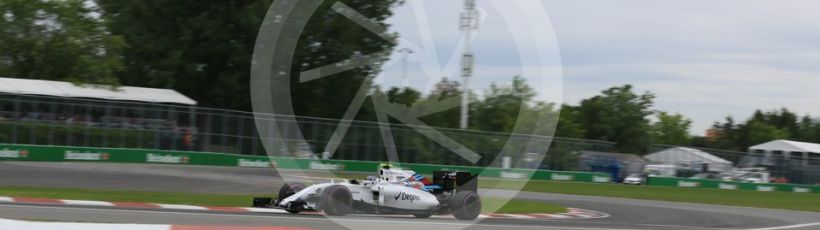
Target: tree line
[{"x": 204, "y": 49}]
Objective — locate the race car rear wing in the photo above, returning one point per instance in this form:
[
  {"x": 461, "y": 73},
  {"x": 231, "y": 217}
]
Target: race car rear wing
[{"x": 453, "y": 180}]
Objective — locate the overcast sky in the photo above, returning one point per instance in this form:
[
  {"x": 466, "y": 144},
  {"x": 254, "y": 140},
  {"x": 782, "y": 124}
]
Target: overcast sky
[{"x": 703, "y": 59}]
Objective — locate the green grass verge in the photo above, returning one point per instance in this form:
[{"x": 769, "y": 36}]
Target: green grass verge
[
  {"x": 131, "y": 196},
  {"x": 775, "y": 200},
  {"x": 512, "y": 207}
]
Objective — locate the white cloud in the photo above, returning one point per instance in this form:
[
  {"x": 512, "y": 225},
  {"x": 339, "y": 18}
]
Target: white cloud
[
  {"x": 705, "y": 59},
  {"x": 504, "y": 46}
]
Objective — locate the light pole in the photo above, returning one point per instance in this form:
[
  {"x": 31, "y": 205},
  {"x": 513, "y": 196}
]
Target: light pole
[
  {"x": 404, "y": 53},
  {"x": 469, "y": 25}
]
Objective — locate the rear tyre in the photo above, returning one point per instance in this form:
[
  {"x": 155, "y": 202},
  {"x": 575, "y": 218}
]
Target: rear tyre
[
  {"x": 336, "y": 200},
  {"x": 423, "y": 216},
  {"x": 466, "y": 205}
]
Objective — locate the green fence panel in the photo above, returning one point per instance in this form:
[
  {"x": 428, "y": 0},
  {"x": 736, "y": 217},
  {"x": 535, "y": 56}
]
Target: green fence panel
[
  {"x": 61, "y": 153},
  {"x": 728, "y": 185},
  {"x": 785, "y": 187},
  {"x": 805, "y": 189},
  {"x": 30, "y": 153},
  {"x": 731, "y": 185},
  {"x": 662, "y": 181},
  {"x": 707, "y": 183}
]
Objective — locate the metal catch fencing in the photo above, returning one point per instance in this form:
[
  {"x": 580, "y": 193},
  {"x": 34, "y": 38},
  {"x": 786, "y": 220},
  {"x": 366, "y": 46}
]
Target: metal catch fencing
[{"x": 99, "y": 123}]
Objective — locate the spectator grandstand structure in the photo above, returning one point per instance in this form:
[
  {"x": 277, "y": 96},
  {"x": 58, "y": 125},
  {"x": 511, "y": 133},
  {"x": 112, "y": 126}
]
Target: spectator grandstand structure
[{"x": 62, "y": 113}]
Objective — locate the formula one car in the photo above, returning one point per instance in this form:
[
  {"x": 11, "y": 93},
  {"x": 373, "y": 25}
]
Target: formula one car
[{"x": 394, "y": 191}]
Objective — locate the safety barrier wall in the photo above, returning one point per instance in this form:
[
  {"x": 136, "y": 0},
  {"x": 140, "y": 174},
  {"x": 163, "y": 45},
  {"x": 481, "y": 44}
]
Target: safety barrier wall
[
  {"x": 120, "y": 155},
  {"x": 730, "y": 185}
]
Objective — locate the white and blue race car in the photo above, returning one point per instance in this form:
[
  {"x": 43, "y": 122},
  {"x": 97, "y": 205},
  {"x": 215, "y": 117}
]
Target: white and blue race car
[{"x": 393, "y": 191}]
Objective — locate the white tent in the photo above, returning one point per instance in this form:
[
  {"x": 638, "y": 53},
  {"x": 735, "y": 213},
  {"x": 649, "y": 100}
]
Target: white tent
[
  {"x": 790, "y": 149},
  {"x": 689, "y": 158},
  {"x": 66, "y": 89},
  {"x": 786, "y": 146}
]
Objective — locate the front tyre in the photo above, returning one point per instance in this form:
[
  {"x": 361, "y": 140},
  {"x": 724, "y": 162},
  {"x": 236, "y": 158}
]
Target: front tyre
[
  {"x": 288, "y": 190},
  {"x": 336, "y": 200},
  {"x": 293, "y": 208},
  {"x": 466, "y": 205},
  {"x": 423, "y": 216}
]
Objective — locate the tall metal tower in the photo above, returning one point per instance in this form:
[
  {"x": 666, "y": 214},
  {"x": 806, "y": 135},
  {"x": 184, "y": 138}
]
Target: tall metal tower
[
  {"x": 404, "y": 53},
  {"x": 469, "y": 26}
]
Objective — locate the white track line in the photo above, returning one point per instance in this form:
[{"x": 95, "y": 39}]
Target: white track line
[
  {"x": 6, "y": 199},
  {"x": 87, "y": 202},
  {"x": 31, "y": 225},
  {"x": 517, "y": 216},
  {"x": 796, "y": 226},
  {"x": 36, "y": 225},
  {"x": 183, "y": 207},
  {"x": 267, "y": 210}
]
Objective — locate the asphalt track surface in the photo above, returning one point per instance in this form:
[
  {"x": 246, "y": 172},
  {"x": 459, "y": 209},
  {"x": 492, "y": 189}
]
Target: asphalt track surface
[{"x": 625, "y": 213}]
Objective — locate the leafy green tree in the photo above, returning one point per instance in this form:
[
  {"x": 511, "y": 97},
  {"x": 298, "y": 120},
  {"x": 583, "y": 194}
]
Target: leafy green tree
[
  {"x": 329, "y": 38},
  {"x": 671, "y": 129},
  {"x": 562, "y": 154},
  {"x": 502, "y": 105},
  {"x": 57, "y": 40},
  {"x": 443, "y": 90},
  {"x": 763, "y": 127},
  {"x": 759, "y": 132},
  {"x": 728, "y": 136},
  {"x": 568, "y": 126},
  {"x": 403, "y": 96},
  {"x": 204, "y": 49},
  {"x": 201, "y": 49},
  {"x": 618, "y": 115},
  {"x": 808, "y": 130}
]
